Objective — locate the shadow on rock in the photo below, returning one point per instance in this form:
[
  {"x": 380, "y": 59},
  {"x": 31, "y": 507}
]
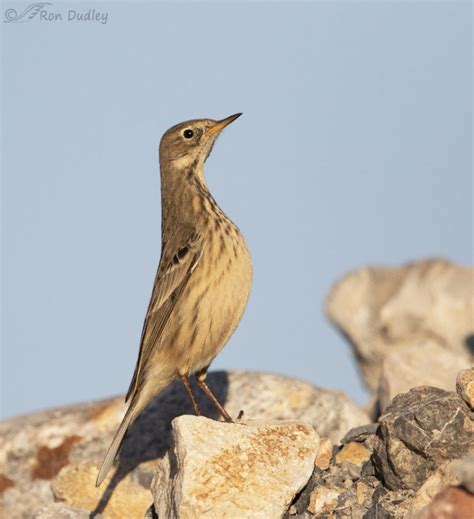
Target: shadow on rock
[{"x": 150, "y": 436}]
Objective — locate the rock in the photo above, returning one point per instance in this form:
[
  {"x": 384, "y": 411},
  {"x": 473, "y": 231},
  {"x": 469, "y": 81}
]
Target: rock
[
  {"x": 17, "y": 502},
  {"x": 341, "y": 488},
  {"x": 442, "y": 478},
  {"x": 364, "y": 493},
  {"x": 463, "y": 470},
  {"x": 452, "y": 503},
  {"x": 324, "y": 455},
  {"x": 360, "y": 434},
  {"x": 381, "y": 309},
  {"x": 390, "y": 505},
  {"x": 251, "y": 469},
  {"x": 465, "y": 386},
  {"x": 418, "y": 432},
  {"x": 324, "y": 499},
  {"x": 353, "y": 452},
  {"x": 36, "y": 447},
  {"x": 75, "y": 485},
  {"x": 62, "y": 511},
  {"x": 274, "y": 397},
  {"x": 401, "y": 368},
  {"x": 394, "y": 468}
]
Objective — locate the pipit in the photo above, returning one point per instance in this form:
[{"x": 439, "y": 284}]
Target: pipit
[{"x": 202, "y": 284}]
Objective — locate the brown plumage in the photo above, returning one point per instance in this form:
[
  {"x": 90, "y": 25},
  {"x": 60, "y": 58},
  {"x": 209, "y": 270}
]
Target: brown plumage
[{"x": 203, "y": 280}]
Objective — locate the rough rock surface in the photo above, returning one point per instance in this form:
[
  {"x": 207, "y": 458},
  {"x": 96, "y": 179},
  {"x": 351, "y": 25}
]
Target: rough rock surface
[
  {"x": 418, "y": 432},
  {"x": 368, "y": 476},
  {"x": 443, "y": 477},
  {"x": 324, "y": 455},
  {"x": 465, "y": 386},
  {"x": 246, "y": 469},
  {"x": 62, "y": 511},
  {"x": 381, "y": 309},
  {"x": 36, "y": 447},
  {"x": 346, "y": 488},
  {"x": 401, "y": 369},
  {"x": 75, "y": 485}
]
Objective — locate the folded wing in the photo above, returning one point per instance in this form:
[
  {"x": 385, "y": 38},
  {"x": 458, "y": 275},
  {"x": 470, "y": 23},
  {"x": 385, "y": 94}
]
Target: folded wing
[{"x": 173, "y": 273}]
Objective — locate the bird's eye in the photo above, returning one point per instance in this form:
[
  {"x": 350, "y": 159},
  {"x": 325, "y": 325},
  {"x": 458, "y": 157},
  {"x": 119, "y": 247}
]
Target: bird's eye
[{"x": 188, "y": 134}]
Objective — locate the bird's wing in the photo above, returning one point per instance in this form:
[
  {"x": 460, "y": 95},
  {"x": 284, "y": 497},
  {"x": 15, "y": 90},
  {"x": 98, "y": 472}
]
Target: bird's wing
[{"x": 172, "y": 276}]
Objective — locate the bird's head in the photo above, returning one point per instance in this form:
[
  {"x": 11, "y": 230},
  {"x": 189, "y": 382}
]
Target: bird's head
[{"x": 191, "y": 142}]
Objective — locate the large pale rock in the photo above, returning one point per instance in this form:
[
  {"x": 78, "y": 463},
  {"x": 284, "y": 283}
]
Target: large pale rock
[
  {"x": 418, "y": 432},
  {"x": 36, "y": 447},
  {"x": 381, "y": 309},
  {"x": 421, "y": 362},
  {"x": 219, "y": 470},
  {"x": 274, "y": 397}
]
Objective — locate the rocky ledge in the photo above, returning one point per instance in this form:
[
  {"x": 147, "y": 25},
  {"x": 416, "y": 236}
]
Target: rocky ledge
[
  {"x": 53, "y": 456},
  {"x": 299, "y": 451}
]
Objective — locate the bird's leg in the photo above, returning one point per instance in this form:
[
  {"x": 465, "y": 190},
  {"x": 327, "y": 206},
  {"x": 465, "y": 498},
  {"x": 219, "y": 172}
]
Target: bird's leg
[
  {"x": 189, "y": 391},
  {"x": 201, "y": 380}
]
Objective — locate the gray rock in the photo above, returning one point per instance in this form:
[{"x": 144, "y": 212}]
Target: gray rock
[
  {"x": 382, "y": 309},
  {"x": 410, "y": 449},
  {"x": 419, "y": 431},
  {"x": 390, "y": 505},
  {"x": 442, "y": 478},
  {"x": 342, "y": 489},
  {"x": 360, "y": 434}
]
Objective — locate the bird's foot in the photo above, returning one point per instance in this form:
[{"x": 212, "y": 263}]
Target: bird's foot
[{"x": 238, "y": 420}]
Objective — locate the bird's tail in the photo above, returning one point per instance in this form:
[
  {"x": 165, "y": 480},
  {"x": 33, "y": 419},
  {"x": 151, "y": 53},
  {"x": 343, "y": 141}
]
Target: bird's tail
[
  {"x": 138, "y": 402},
  {"x": 128, "y": 419}
]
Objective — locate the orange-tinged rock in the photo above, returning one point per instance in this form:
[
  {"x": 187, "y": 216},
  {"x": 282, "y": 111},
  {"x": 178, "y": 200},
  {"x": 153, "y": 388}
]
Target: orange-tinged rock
[
  {"x": 75, "y": 485},
  {"x": 324, "y": 454},
  {"x": 353, "y": 452}
]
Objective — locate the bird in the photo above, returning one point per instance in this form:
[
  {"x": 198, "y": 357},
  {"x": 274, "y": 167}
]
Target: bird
[{"x": 202, "y": 284}]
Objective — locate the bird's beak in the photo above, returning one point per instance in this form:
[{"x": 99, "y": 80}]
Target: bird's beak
[{"x": 220, "y": 125}]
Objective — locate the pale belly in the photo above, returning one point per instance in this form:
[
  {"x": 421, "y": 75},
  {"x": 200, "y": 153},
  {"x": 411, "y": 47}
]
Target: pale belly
[{"x": 208, "y": 310}]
